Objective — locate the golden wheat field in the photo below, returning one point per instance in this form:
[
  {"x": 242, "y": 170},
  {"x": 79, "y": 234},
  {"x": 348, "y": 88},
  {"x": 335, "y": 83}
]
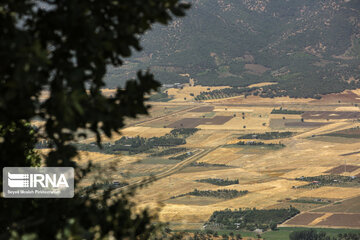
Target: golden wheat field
[{"x": 269, "y": 172}]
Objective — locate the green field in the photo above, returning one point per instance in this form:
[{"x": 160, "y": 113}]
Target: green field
[{"x": 284, "y": 232}]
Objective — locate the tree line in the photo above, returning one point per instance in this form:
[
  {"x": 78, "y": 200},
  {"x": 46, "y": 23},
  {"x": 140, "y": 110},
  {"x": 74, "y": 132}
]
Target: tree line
[
  {"x": 220, "y": 193},
  {"x": 135, "y": 145},
  {"x": 312, "y": 234},
  {"x": 267, "y": 135},
  {"x": 250, "y": 219},
  {"x": 219, "y": 181}
]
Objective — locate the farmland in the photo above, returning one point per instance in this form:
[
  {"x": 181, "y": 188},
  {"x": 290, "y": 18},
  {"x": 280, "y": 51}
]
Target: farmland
[{"x": 240, "y": 145}]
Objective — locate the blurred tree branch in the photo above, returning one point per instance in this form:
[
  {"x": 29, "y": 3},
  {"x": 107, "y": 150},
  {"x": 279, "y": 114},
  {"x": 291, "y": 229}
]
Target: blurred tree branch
[{"x": 64, "y": 47}]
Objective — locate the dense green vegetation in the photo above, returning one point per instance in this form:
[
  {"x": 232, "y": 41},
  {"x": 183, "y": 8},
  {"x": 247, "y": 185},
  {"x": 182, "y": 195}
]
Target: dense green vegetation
[
  {"x": 329, "y": 180},
  {"x": 281, "y": 233},
  {"x": 249, "y": 219},
  {"x": 285, "y": 111},
  {"x": 135, "y": 145},
  {"x": 220, "y": 193},
  {"x": 311, "y": 234},
  {"x": 219, "y": 181},
  {"x": 244, "y": 42},
  {"x": 267, "y": 135},
  {"x": 183, "y": 131}
]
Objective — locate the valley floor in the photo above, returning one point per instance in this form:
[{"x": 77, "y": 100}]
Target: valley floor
[{"x": 269, "y": 172}]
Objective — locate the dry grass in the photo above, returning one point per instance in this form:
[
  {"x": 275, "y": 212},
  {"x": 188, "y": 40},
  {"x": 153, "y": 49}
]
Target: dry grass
[
  {"x": 332, "y": 192},
  {"x": 146, "y": 132},
  {"x": 267, "y": 174},
  {"x": 180, "y": 94},
  {"x": 262, "y": 84}
]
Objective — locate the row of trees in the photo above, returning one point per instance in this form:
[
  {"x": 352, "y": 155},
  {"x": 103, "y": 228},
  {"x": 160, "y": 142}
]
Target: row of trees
[
  {"x": 204, "y": 164},
  {"x": 312, "y": 234},
  {"x": 255, "y": 143},
  {"x": 183, "y": 131},
  {"x": 250, "y": 218},
  {"x": 267, "y": 135},
  {"x": 224, "y": 93},
  {"x": 135, "y": 145},
  {"x": 329, "y": 180},
  {"x": 285, "y": 111},
  {"x": 220, "y": 193},
  {"x": 281, "y": 90},
  {"x": 219, "y": 181}
]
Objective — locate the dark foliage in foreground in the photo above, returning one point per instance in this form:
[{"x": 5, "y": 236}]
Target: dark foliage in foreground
[{"x": 65, "y": 48}]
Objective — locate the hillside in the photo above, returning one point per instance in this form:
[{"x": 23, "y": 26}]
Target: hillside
[{"x": 308, "y": 47}]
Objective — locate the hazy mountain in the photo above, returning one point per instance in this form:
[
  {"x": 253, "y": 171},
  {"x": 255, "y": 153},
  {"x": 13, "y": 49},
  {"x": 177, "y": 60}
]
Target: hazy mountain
[{"x": 307, "y": 46}]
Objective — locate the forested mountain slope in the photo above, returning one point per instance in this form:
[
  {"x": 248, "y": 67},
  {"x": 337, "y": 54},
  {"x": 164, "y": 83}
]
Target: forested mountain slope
[{"x": 309, "y": 47}]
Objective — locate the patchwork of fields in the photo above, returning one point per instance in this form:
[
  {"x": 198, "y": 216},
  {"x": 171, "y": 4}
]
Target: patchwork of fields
[{"x": 324, "y": 142}]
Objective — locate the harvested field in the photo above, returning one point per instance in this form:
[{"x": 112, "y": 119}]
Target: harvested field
[
  {"x": 342, "y": 168},
  {"x": 278, "y": 124},
  {"x": 344, "y": 97},
  {"x": 348, "y": 154},
  {"x": 347, "y": 109},
  {"x": 183, "y": 95},
  {"x": 331, "y": 139},
  {"x": 331, "y": 192},
  {"x": 260, "y": 101},
  {"x": 350, "y": 133},
  {"x": 267, "y": 174},
  {"x": 301, "y": 206},
  {"x": 331, "y": 115},
  {"x": 304, "y": 219},
  {"x": 186, "y": 123},
  {"x": 194, "y": 122},
  {"x": 203, "y": 109},
  {"x": 194, "y": 200},
  {"x": 232, "y": 109},
  {"x": 146, "y": 132},
  {"x": 262, "y": 84},
  {"x": 218, "y": 120},
  {"x": 341, "y": 220},
  {"x": 351, "y": 205},
  {"x": 304, "y": 124}
]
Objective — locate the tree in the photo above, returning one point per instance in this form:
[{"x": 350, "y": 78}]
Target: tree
[
  {"x": 64, "y": 47},
  {"x": 238, "y": 236},
  {"x": 225, "y": 236},
  {"x": 310, "y": 234},
  {"x": 273, "y": 226}
]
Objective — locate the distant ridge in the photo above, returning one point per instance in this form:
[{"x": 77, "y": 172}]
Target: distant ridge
[{"x": 309, "y": 47}]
